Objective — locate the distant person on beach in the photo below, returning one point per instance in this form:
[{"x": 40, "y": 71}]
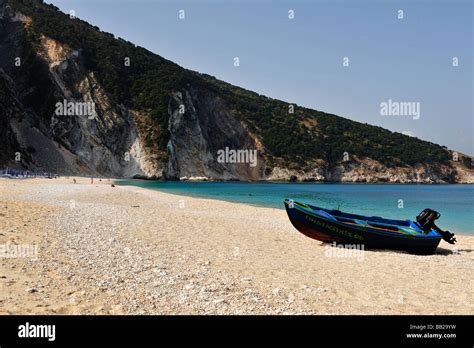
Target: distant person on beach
[
  {"x": 74, "y": 180},
  {"x": 92, "y": 180}
]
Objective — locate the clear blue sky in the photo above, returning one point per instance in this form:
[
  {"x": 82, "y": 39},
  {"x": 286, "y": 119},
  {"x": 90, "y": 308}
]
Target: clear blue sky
[{"x": 300, "y": 60}]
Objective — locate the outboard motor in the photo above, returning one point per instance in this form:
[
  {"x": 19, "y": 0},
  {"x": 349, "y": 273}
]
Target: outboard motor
[{"x": 426, "y": 220}]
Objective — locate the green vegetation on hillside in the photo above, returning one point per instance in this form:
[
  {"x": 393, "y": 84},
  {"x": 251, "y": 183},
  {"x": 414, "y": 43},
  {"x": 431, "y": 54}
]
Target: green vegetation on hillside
[
  {"x": 285, "y": 134},
  {"x": 149, "y": 81}
]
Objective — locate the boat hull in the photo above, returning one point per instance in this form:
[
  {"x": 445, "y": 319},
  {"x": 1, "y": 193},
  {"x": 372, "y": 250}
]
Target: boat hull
[{"x": 329, "y": 231}]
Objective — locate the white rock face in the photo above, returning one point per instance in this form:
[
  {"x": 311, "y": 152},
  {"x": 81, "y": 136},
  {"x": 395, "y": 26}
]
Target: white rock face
[
  {"x": 196, "y": 138},
  {"x": 107, "y": 145},
  {"x": 370, "y": 171}
]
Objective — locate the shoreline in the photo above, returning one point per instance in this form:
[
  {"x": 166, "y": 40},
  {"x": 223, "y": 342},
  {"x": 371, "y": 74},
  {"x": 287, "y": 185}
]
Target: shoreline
[
  {"x": 257, "y": 181},
  {"x": 256, "y": 205},
  {"x": 131, "y": 250},
  {"x": 253, "y": 204}
]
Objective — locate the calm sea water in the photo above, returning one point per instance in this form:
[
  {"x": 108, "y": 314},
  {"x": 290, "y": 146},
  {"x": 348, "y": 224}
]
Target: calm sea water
[{"x": 454, "y": 202}]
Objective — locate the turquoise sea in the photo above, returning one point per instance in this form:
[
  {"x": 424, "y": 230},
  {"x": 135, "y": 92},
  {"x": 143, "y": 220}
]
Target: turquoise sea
[{"x": 454, "y": 202}]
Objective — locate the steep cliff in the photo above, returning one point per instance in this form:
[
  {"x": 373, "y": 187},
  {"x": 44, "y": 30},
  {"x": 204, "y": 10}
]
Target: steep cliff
[{"x": 150, "y": 118}]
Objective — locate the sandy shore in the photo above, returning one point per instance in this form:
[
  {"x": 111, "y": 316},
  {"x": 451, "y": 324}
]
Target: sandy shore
[{"x": 129, "y": 250}]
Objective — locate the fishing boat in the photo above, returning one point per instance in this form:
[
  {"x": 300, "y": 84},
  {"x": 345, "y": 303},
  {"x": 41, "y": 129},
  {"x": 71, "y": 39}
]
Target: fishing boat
[{"x": 417, "y": 237}]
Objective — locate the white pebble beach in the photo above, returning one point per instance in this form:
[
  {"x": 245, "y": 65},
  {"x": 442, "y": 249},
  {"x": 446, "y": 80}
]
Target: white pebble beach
[{"x": 128, "y": 250}]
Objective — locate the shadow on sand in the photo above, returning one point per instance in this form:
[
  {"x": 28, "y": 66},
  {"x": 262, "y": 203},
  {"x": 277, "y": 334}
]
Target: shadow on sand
[
  {"x": 446, "y": 252},
  {"x": 439, "y": 251}
]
